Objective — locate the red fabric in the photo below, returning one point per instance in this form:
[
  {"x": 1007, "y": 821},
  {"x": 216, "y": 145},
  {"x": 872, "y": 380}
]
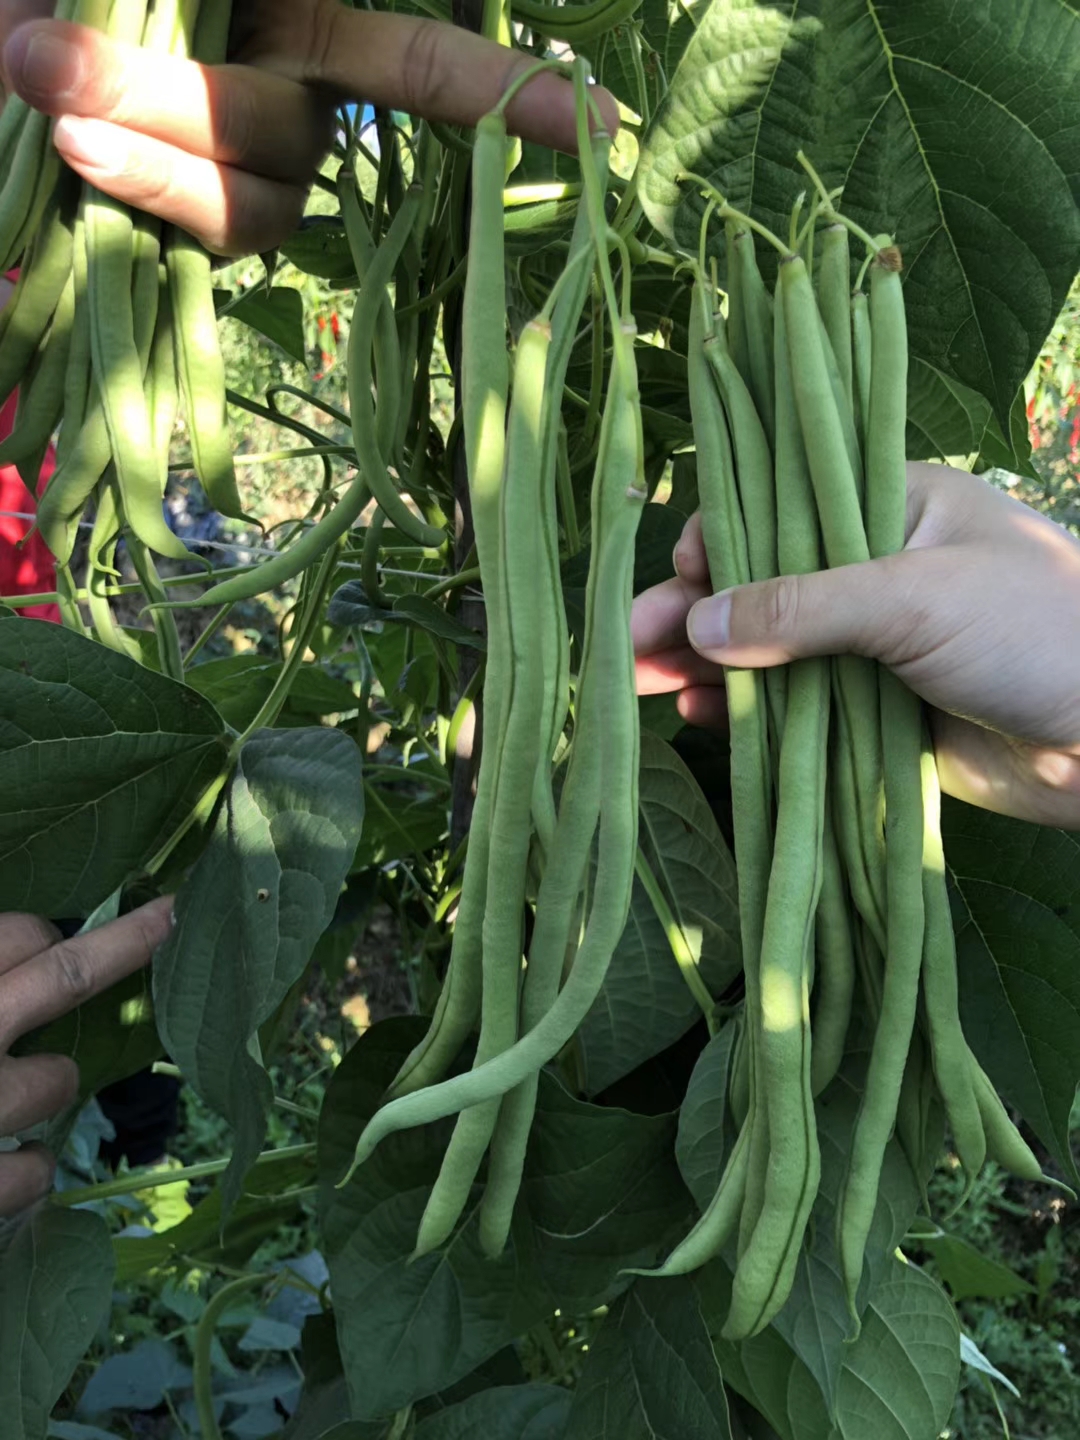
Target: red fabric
[{"x": 31, "y": 569}]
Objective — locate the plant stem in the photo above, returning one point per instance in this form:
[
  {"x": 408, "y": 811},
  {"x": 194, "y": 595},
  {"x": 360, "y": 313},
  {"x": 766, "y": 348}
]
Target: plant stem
[
  {"x": 135, "y": 1181},
  {"x": 676, "y": 938}
]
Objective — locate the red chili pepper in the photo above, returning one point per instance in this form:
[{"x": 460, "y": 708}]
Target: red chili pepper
[{"x": 335, "y": 326}]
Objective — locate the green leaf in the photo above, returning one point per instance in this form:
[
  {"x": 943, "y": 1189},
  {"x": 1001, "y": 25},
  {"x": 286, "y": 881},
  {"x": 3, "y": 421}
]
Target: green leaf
[
  {"x": 505, "y": 1412},
  {"x": 238, "y": 685},
  {"x": 278, "y": 316},
  {"x": 1016, "y": 908},
  {"x": 248, "y": 917},
  {"x": 954, "y": 127},
  {"x": 946, "y": 419},
  {"x": 899, "y": 1379},
  {"x": 139, "y": 1379},
  {"x": 968, "y": 1272},
  {"x": 701, "y": 1145},
  {"x": 651, "y": 1373},
  {"x": 100, "y": 761},
  {"x": 601, "y": 1192},
  {"x": 407, "y": 1330},
  {"x": 321, "y": 247},
  {"x": 664, "y": 33},
  {"x": 55, "y": 1290},
  {"x": 264, "y": 1209},
  {"x": 350, "y": 606},
  {"x": 645, "y": 1005}
]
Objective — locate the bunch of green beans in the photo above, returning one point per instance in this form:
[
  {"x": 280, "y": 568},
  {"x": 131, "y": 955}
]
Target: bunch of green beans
[
  {"x": 799, "y": 409},
  {"x": 111, "y": 331},
  {"x": 527, "y": 1010}
]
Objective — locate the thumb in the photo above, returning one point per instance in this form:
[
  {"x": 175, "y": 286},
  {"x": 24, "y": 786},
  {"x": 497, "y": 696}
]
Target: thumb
[{"x": 853, "y": 609}]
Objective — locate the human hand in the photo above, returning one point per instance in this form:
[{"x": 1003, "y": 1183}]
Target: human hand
[
  {"x": 979, "y": 614},
  {"x": 41, "y": 978},
  {"x": 229, "y": 152}
]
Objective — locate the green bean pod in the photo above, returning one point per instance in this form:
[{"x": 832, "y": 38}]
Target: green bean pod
[
  {"x": 565, "y": 864},
  {"x": 718, "y": 1221},
  {"x": 758, "y": 318},
  {"x": 611, "y": 892},
  {"x": 162, "y": 383},
  {"x": 1004, "y": 1143},
  {"x": 361, "y": 406},
  {"x": 24, "y": 195},
  {"x": 100, "y": 569},
  {"x": 41, "y": 283},
  {"x": 110, "y": 248},
  {"x": 41, "y": 398},
  {"x": 765, "y": 1272},
  {"x": 834, "y": 291},
  {"x": 77, "y": 375},
  {"x": 945, "y": 1033},
  {"x": 518, "y": 755},
  {"x": 201, "y": 370},
  {"x": 727, "y": 549},
  {"x": 834, "y": 982},
  {"x": 862, "y": 360},
  {"x": 485, "y": 390}
]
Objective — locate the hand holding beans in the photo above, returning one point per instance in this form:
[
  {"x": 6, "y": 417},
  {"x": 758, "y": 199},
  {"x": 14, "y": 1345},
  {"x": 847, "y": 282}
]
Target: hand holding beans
[
  {"x": 980, "y": 615},
  {"x": 228, "y": 153}
]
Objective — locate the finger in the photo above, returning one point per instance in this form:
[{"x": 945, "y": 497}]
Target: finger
[
  {"x": 658, "y": 615},
  {"x": 234, "y": 114},
  {"x": 26, "y": 1175},
  {"x": 14, "y": 13},
  {"x": 442, "y": 72},
  {"x": 987, "y": 769},
  {"x": 880, "y": 608},
  {"x": 232, "y": 211},
  {"x": 22, "y": 936},
  {"x": 34, "y": 1089},
  {"x": 675, "y": 669},
  {"x": 70, "y": 973},
  {"x": 704, "y": 706},
  {"x": 690, "y": 559}
]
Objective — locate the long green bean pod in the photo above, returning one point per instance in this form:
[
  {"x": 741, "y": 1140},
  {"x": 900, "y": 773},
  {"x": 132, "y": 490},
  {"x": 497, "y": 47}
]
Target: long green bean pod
[
  {"x": 757, "y": 309},
  {"x": 518, "y": 743},
  {"x": 25, "y": 318},
  {"x": 110, "y": 248},
  {"x": 565, "y": 864},
  {"x": 834, "y": 290},
  {"x": 908, "y": 772},
  {"x": 41, "y": 397},
  {"x": 861, "y": 359},
  {"x": 610, "y": 898},
  {"x": 485, "y": 390},
  {"x": 201, "y": 369},
  {"x": 726, "y": 546},
  {"x": 766, "y": 1267}
]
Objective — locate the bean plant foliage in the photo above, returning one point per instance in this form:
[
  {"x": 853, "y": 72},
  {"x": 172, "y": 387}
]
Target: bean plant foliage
[{"x": 253, "y": 785}]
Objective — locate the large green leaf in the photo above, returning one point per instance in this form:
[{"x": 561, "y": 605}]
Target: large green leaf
[
  {"x": 407, "y": 1330},
  {"x": 601, "y": 1192},
  {"x": 663, "y": 33},
  {"x": 955, "y": 127},
  {"x": 505, "y": 1412},
  {"x": 237, "y": 686},
  {"x": 795, "y": 1371},
  {"x": 55, "y": 1289},
  {"x": 947, "y": 419},
  {"x": 645, "y": 1004},
  {"x": 1016, "y": 908},
  {"x": 651, "y": 1373},
  {"x": 248, "y": 917},
  {"x": 100, "y": 760}
]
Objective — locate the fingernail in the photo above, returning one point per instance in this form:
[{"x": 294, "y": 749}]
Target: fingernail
[
  {"x": 708, "y": 626},
  {"x": 94, "y": 143},
  {"x": 45, "y": 65}
]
